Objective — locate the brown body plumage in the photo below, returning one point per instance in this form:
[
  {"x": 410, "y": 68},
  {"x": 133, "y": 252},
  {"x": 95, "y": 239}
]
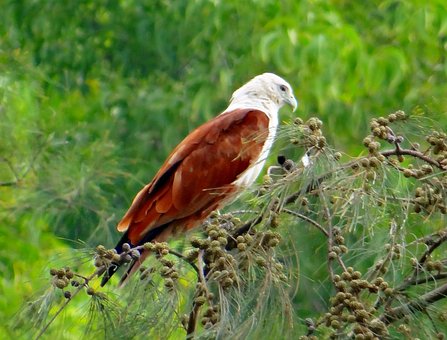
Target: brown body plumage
[{"x": 207, "y": 169}]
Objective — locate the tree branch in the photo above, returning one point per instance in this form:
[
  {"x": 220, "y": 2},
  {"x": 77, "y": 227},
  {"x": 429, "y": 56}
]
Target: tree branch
[
  {"x": 421, "y": 280},
  {"x": 192, "y": 322},
  {"x": 413, "y": 153},
  {"x": 414, "y": 279},
  {"x": 416, "y": 305}
]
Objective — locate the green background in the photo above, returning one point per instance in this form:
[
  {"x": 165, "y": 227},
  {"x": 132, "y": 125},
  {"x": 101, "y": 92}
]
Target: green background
[{"x": 94, "y": 95}]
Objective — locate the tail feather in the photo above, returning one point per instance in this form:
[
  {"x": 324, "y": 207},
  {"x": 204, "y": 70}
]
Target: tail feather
[
  {"x": 114, "y": 266},
  {"x": 135, "y": 265}
]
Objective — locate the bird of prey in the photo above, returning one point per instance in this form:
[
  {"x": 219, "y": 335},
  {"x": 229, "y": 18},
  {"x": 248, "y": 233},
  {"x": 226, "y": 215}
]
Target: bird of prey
[{"x": 207, "y": 169}]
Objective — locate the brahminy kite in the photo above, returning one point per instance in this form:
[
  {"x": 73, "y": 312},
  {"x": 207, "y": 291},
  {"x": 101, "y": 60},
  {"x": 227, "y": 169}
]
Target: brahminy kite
[{"x": 207, "y": 169}]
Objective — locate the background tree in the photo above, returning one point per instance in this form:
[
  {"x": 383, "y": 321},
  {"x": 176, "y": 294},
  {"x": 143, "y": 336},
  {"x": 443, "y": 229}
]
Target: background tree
[{"x": 94, "y": 94}]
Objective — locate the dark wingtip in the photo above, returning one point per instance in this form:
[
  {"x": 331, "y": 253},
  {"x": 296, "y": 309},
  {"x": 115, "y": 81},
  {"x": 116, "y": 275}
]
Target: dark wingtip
[{"x": 112, "y": 269}]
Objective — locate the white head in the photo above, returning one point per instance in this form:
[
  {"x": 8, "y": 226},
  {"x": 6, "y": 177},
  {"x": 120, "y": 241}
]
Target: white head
[{"x": 266, "y": 92}]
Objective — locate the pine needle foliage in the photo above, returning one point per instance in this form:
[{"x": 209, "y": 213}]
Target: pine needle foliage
[
  {"x": 94, "y": 95},
  {"x": 242, "y": 274}
]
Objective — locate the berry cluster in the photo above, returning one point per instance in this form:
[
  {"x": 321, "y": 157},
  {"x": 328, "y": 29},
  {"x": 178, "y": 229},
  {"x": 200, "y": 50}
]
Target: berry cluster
[
  {"x": 61, "y": 277},
  {"x": 349, "y": 310},
  {"x": 438, "y": 142},
  {"x": 429, "y": 199},
  {"x": 104, "y": 257},
  {"x": 311, "y": 134}
]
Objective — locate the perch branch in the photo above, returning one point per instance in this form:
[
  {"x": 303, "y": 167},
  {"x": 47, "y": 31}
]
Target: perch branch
[
  {"x": 413, "y": 153},
  {"x": 417, "y": 305}
]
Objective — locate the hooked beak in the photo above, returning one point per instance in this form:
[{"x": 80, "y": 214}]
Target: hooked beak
[{"x": 292, "y": 102}]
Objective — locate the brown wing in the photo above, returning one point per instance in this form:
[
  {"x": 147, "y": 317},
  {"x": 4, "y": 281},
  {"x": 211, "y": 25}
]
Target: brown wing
[{"x": 198, "y": 174}]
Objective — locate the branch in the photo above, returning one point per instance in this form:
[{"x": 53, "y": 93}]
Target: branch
[
  {"x": 421, "y": 280},
  {"x": 414, "y": 277},
  {"x": 192, "y": 322},
  {"x": 183, "y": 257},
  {"x": 14, "y": 172},
  {"x": 432, "y": 248},
  {"x": 417, "y": 305},
  {"x": 413, "y": 153},
  {"x": 315, "y": 184},
  {"x": 429, "y": 239},
  {"x": 307, "y": 219},
  {"x": 328, "y": 216},
  {"x": 247, "y": 226},
  {"x": 378, "y": 266}
]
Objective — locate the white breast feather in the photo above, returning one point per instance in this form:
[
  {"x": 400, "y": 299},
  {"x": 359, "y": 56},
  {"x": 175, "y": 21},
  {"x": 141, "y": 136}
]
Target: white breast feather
[{"x": 249, "y": 176}]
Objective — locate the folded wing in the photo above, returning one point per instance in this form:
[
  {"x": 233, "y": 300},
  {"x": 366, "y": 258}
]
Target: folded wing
[{"x": 198, "y": 175}]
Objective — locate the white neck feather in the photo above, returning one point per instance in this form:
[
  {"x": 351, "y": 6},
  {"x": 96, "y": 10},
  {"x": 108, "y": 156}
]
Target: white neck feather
[
  {"x": 263, "y": 93},
  {"x": 270, "y": 108},
  {"x": 247, "y": 101}
]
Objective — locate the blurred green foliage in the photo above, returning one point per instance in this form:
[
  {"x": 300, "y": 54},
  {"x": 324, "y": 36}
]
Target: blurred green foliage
[{"x": 94, "y": 94}]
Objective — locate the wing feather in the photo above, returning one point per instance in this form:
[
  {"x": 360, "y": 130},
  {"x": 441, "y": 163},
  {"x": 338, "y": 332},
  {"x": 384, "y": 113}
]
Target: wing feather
[{"x": 199, "y": 173}]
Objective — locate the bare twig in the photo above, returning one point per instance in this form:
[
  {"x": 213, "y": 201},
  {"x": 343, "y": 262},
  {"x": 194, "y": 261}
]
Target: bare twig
[
  {"x": 183, "y": 257},
  {"x": 307, "y": 219},
  {"x": 328, "y": 216},
  {"x": 413, "y": 153},
  {"x": 430, "y": 250},
  {"x": 192, "y": 322},
  {"x": 421, "y": 280},
  {"x": 413, "y": 279},
  {"x": 416, "y": 305},
  {"x": 378, "y": 267}
]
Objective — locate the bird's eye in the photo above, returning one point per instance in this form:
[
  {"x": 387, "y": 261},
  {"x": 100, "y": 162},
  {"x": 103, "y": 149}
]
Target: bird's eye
[{"x": 283, "y": 88}]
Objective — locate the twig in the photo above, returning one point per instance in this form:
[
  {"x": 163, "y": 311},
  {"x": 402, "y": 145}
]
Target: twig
[
  {"x": 315, "y": 184},
  {"x": 67, "y": 301},
  {"x": 192, "y": 322},
  {"x": 11, "y": 167},
  {"x": 421, "y": 280},
  {"x": 432, "y": 248},
  {"x": 307, "y": 219},
  {"x": 413, "y": 153},
  {"x": 173, "y": 252},
  {"x": 183, "y": 257},
  {"x": 327, "y": 215},
  {"x": 376, "y": 269},
  {"x": 9, "y": 184},
  {"x": 19, "y": 177},
  {"x": 14, "y": 172},
  {"x": 414, "y": 277},
  {"x": 231, "y": 239},
  {"x": 428, "y": 239},
  {"x": 416, "y": 305}
]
